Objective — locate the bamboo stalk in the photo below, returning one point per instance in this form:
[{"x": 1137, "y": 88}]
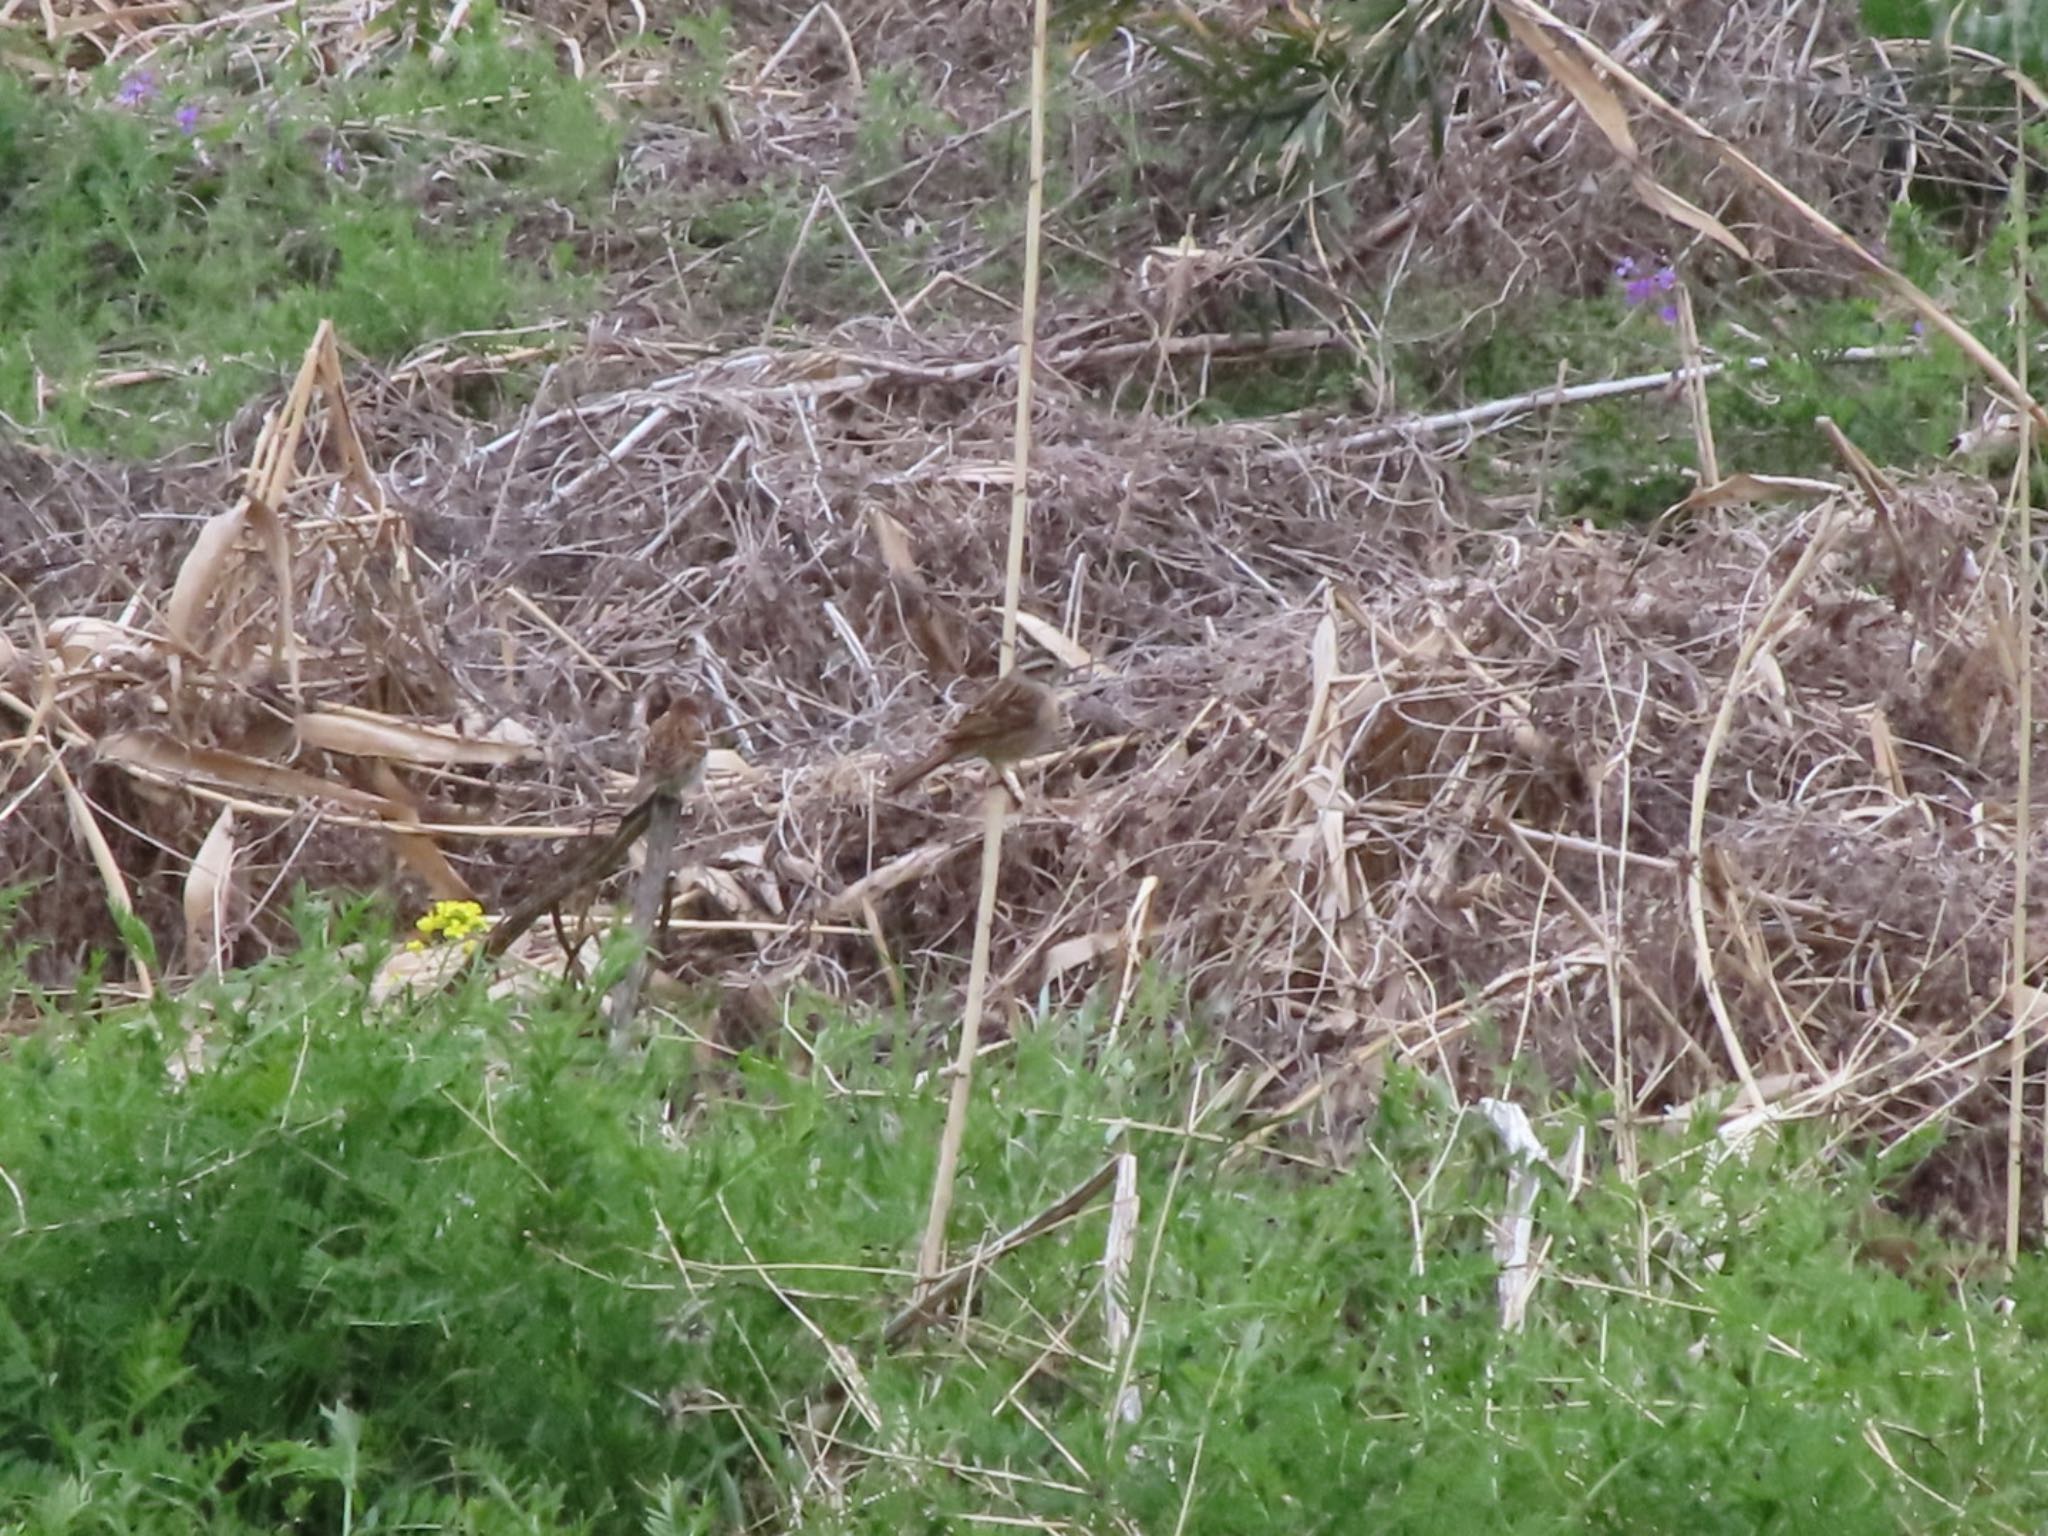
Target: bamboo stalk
[{"x": 932, "y": 1256}]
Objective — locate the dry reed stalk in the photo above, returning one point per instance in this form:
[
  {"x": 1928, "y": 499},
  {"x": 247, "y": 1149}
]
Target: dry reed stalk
[
  {"x": 87, "y": 826},
  {"x": 1696, "y": 389},
  {"x": 932, "y": 1256},
  {"x": 2022, "y": 502},
  {"x": 1505, "y": 411},
  {"x": 1696, "y": 824},
  {"x": 664, "y": 819}
]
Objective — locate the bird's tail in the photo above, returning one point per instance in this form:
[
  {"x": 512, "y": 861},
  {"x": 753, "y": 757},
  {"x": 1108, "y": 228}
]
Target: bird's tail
[{"x": 903, "y": 778}]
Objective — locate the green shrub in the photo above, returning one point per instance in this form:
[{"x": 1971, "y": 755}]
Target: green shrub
[
  {"x": 190, "y": 219},
  {"x": 449, "y": 1266}
]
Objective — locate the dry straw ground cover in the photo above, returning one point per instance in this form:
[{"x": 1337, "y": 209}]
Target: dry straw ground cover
[
  {"x": 1379, "y": 768},
  {"x": 1376, "y": 783}
]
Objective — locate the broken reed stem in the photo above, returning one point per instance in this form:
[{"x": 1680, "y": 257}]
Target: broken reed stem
[
  {"x": 931, "y": 1259},
  {"x": 1695, "y": 839},
  {"x": 1027, "y": 341},
  {"x": 664, "y": 827},
  {"x": 1696, "y": 389},
  {"x": 932, "y": 1256},
  {"x": 2023, "y": 1014},
  {"x": 2023, "y": 725}
]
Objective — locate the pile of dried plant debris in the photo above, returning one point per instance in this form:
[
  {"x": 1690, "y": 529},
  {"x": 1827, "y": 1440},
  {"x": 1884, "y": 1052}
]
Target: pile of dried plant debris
[
  {"x": 1380, "y": 772},
  {"x": 1377, "y": 768}
]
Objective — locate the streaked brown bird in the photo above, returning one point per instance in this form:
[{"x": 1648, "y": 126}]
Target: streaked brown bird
[
  {"x": 1017, "y": 717},
  {"x": 672, "y": 762}
]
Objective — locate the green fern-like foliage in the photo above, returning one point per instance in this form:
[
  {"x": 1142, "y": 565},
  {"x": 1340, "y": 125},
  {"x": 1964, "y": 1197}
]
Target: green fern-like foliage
[{"x": 1297, "y": 93}]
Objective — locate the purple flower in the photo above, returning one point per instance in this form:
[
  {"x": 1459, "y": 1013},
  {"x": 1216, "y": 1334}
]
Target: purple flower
[
  {"x": 137, "y": 86},
  {"x": 1919, "y": 327},
  {"x": 334, "y": 160},
  {"x": 1668, "y": 314},
  {"x": 1640, "y": 289},
  {"x": 187, "y": 118}
]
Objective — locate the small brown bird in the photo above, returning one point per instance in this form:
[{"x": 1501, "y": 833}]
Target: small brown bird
[
  {"x": 1015, "y": 718},
  {"x": 672, "y": 762}
]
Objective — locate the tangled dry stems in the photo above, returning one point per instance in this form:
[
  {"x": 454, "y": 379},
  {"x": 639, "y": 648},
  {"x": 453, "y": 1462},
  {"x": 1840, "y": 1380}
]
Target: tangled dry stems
[
  {"x": 1378, "y": 768},
  {"x": 1371, "y": 779}
]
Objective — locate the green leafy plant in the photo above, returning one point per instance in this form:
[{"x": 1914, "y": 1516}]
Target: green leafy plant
[
  {"x": 1293, "y": 94},
  {"x": 448, "y": 1266},
  {"x": 171, "y": 241}
]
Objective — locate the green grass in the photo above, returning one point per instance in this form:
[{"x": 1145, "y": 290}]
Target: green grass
[
  {"x": 194, "y": 219},
  {"x": 442, "y": 1267}
]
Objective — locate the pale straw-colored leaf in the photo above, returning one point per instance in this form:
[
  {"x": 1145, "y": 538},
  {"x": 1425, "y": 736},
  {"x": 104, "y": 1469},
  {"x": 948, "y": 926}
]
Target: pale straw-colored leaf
[
  {"x": 367, "y": 733},
  {"x": 209, "y": 892},
  {"x": 202, "y": 576},
  {"x": 1118, "y": 1249},
  {"x": 156, "y": 753}
]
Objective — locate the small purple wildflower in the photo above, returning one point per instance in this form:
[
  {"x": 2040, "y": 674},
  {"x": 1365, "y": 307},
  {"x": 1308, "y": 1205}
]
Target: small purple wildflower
[
  {"x": 1668, "y": 314},
  {"x": 1919, "y": 327},
  {"x": 1640, "y": 287},
  {"x": 187, "y": 119},
  {"x": 334, "y": 160},
  {"x": 137, "y": 86}
]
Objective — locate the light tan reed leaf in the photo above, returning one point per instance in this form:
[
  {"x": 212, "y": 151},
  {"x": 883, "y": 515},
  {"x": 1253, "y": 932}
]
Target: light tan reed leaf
[
  {"x": 367, "y": 733},
  {"x": 1572, "y": 70},
  {"x": 1048, "y": 635},
  {"x": 894, "y": 544},
  {"x": 153, "y": 752},
  {"x": 1661, "y": 199},
  {"x": 284, "y": 639},
  {"x": 202, "y": 574},
  {"x": 209, "y": 895},
  {"x": 1743, "y": 487},
  {"x": 87, "y": 825},
  {"x": 1081, "y": 949},
  {"x": 82, "y": 642},
  {"x": 416, "y": 850}
]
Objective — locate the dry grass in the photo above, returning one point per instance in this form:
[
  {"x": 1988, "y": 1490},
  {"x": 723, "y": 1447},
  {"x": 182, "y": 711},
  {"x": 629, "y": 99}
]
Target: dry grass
[
  {"x": 1378, "y": 768},
  {"x": 1387, "y": 783}
]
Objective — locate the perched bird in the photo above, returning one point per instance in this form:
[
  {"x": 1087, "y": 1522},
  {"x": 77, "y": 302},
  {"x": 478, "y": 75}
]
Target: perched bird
[
  {"x": 672, "y": 762},
  {"x": 1016, "y": 717},
  {"x": 671, "y": 766}
]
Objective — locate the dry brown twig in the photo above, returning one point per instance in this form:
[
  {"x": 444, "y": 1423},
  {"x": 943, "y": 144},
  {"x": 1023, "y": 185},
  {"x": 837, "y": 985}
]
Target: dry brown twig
[{"x": 931, "y": 1256}]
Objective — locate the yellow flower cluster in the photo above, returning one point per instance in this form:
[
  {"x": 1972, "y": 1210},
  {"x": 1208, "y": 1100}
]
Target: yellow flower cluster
[{"x": 452, "y": 922}]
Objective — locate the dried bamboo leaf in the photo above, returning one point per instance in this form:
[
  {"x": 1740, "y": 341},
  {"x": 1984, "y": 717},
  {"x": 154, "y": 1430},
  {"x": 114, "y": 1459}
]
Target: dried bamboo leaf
[
  {"x": 1048, "y": 635},
  {"x": 154, "y": 752},
  {"x": 416, "y": 850},
  {"x": 1604, "y": 108},
  {"x": 368, "y": 733},
  {"x": 1743, "y": 488},
  {"x": 208, "y": 895},
  {"x": 203, "y": 576}
]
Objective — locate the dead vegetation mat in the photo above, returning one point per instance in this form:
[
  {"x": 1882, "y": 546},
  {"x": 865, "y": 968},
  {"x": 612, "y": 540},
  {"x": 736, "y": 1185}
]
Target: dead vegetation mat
[{"x": 1375, "y": 770}]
